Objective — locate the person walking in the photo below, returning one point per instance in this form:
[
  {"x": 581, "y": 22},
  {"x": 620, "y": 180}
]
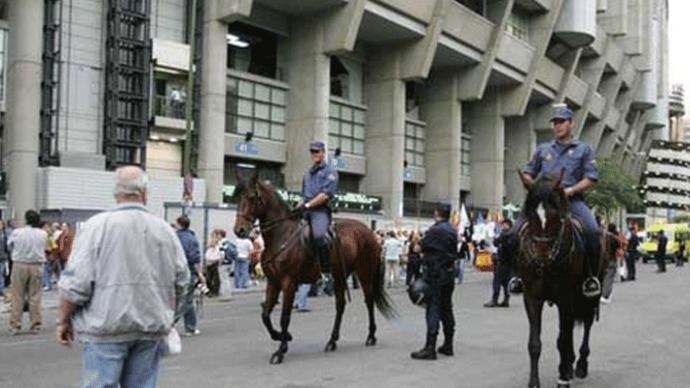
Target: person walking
[
  {"x": 192, "y": 253},
  {"x": 680, "y": 257},
  {"x": 244, "y": 250},
  {"x": 661, "y": 252},
  {"x": 633, "y": 254},
  {"x": 64, "y": 245},
  {"x": 302, "y": 299},
  {"x": 392, "y": 248},
  {"x": 4, "y": 256},
  {"x": 506, "y": 245},
  {"x": 414, "y": 258},
  {"x": 439, "y": 246},
  {"x": 118, "y": 292},
  {"x": 28, "y": 246},
  {"x": 613, "y": 244},
  {"x": 213, "y": 257}
]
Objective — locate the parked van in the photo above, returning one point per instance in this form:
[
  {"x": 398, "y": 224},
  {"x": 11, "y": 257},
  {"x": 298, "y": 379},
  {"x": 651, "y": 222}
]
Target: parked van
[{"x": 674, "y": 233}]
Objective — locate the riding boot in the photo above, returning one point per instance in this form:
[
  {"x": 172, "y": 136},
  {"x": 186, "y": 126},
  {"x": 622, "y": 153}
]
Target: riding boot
[
  {"x": 591, "y": 287},
  {"x": 428, "y": 352},
  {"x": 447, "y": 347},
  {"x": 325, "y": 263}
]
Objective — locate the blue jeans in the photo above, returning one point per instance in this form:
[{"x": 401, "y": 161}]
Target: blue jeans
[
  {"x": 302, "y": 295},
  {"x": 241, "y": 272},
  {"x": 3, "y": 265},
  {"x": 131, "y": 364},
  {"x": 187, "y": 306},
  {"x": 47, "y": 275},
  {"x": 460, "y": 270}
]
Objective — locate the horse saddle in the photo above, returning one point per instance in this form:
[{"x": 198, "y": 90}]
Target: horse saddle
[
  {"x": 578, "y": 234},
  {"x": 306, "y": 237}
]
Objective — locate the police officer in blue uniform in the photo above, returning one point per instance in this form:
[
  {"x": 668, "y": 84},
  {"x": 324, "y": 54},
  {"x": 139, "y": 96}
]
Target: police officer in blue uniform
[
  {"x": 439, "y": 247},
  {"x": 576, "y": 159},
  {"x": 319, "y": 186}
]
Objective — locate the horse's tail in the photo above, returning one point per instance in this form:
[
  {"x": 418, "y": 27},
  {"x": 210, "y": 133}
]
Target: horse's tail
[{"x": 381, "y": 298}]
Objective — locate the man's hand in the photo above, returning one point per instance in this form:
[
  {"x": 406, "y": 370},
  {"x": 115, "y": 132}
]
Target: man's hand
[
  {"x": 300, "y": 209},
  {"x": 64, "y": 333},
  {"x": 569, "y": 191}
]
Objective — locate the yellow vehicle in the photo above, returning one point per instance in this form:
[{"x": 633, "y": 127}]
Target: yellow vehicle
[{"x": 674, "y": 233}]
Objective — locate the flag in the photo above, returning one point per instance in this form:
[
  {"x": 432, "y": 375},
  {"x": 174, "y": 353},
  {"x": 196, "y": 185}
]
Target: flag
[{"x": 464, "y": 219}]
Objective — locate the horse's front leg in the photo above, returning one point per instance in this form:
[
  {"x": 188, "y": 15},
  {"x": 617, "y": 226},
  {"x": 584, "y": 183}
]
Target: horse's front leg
[
  {"x": 288, "y": 300},
  {"x": 271, "y": 298},
  {"x": 534, "y": 307},
  {"x": 582, "y": 367},
  {"x": 565, "y": 345},
  {"x": 339, "y": 309}
]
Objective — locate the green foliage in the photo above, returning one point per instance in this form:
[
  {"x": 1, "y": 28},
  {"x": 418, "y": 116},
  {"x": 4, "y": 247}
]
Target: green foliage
[
  {"x": 614, "y": 190},
  {"x": 682, "y": 219}
]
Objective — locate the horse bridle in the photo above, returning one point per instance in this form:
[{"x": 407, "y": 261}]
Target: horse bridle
[
  {"x": 263, "y": 226},
  {"x": 556, "y": 248}
]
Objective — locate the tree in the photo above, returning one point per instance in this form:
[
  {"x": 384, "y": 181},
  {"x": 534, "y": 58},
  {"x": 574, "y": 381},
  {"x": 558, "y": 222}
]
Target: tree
[{"x": 615, "y": 189}]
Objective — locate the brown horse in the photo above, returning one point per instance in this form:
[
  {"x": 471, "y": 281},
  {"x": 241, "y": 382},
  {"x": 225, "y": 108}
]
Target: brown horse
[
  {"x": 288, "y": 261},
  {"x": 553, "y": 269}
]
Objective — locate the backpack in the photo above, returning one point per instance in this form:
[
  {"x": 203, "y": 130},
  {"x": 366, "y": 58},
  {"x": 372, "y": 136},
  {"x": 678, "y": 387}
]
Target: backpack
[{"x": 230, "y": 251}]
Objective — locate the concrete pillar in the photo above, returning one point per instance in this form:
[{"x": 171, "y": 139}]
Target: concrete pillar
[
  {"x": 519, "y": 145},
  {"x": 308, "y": 72},
  {"x": 213, "y": 89},
  {"x": 487, "y": 127},
  {"x": 442, "y": 112},
  {"x": 385, "y": 134},
  {"x": 23, "y": 102}
]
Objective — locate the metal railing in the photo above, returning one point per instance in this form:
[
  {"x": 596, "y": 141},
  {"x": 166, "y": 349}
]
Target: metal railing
[{"x": 164, "y": 106}]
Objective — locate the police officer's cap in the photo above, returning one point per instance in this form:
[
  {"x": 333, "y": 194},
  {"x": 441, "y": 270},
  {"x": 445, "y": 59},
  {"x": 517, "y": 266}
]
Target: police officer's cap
[
  {"x": 317, "y": 145},
  {"x": 562, "y": 113}
]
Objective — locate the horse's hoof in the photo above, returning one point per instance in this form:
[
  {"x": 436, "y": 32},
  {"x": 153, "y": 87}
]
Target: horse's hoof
[
  {"x": 371, "y": 341},
  {"x": 534, "y": 384},
  {"x": 276, "y": 336},
  {"x": 277, "y": 358},
  {"x": 582, "y": 370},
  {"x": 563, "y": 384},
  {"x": 330, "y": 347},
  {"x": 286, "y": 337}
]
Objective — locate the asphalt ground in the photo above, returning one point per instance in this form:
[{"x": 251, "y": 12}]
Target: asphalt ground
[{"x": 642, "y": 340}]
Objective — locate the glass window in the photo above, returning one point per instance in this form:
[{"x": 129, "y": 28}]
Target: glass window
[
  {"x": 256, "y": 107},
  {"x": 518, "y": 25},
  {"x": 346, "y": 128},
  {"x": 465, "y": 158},
  {"x": 414, "y": 144}
]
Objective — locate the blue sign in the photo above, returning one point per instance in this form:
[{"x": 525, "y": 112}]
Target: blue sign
[
  {"x": 247, "y": 148},
  {"x": 338, "y": 163},
  {"x": 407, "y": 173}
]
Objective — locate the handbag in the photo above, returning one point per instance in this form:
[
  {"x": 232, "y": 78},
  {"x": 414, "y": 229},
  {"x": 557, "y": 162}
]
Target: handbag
[{"x": 171, "y": 344}]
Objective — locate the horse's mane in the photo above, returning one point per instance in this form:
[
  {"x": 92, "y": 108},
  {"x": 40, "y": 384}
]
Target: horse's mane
[
  {"x": 243, "y": 185},
  {"x": 542, "y": 192}
]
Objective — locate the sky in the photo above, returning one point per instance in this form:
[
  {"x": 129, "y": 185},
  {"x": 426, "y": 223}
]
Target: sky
[{"x": 679, "y": 49}]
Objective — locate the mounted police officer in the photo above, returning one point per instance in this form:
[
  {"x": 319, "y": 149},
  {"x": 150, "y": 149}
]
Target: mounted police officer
[
  {"x": 439, "y": 246},
  {"x": 319, "y": 186},
  {"x": 576, "y": 159}
]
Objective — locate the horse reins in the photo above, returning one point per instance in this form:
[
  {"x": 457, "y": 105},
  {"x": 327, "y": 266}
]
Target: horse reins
[{"x": 556, "y": 248}]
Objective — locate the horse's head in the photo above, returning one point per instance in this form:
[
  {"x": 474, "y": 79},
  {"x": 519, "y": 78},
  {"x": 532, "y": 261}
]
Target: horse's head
[
  {"x": 546, "y": 210},
  {"x": 251, "y": 198}
]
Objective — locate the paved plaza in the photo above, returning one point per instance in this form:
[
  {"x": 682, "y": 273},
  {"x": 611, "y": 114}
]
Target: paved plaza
[{"x": 641, "y": 341}]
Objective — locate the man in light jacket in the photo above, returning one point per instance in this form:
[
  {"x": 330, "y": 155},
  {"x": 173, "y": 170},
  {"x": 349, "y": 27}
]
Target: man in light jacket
[{"x": 118, "y": 292}]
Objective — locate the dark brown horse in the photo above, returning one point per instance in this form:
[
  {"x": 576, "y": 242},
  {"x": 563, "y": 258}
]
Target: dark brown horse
[
  {"x": 288, "y": 261},
  {"x": 553, "y": 269}
]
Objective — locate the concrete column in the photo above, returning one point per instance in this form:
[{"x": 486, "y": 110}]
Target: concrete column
[
  {"x": 308, "y": 72},
  {"x": 213, "y": 89},
  {"x": 442, "y": 112},
  {"x": 385, "y": 133},
  {"x": 519, "y": 143},
  {"x": 23, "y": 102},
  {"x": 487, "y": 127}
]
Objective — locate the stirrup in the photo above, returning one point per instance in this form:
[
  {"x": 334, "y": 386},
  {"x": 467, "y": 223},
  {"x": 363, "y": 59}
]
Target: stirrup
[
  {"x": 591, "y": 287},
  {"x": 515, "y": 285}
]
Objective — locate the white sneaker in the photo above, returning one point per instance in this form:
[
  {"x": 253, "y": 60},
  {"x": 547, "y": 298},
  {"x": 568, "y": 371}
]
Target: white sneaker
[
  {"x": 605, "y": 300},
  {"x": 191, "y": 333}
]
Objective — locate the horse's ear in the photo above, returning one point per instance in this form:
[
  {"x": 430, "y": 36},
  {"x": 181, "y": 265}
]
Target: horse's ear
[
  {"x": 557, "y": 184},
  {"x": 526, "y": 182}
]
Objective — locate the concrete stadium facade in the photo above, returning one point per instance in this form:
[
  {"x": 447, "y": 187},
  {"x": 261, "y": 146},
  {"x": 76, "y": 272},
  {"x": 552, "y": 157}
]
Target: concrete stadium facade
[{"x": 424, "y": 100}]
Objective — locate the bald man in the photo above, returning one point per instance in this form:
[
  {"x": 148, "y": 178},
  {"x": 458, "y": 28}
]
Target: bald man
[{"x": 118, "y": 292}]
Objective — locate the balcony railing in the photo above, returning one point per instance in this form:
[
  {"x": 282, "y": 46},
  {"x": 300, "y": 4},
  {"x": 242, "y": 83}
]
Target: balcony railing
[{"x": 167, "y": 107}]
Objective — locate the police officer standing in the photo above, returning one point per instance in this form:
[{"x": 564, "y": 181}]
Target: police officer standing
[
  {"x": 319, "y": 186},
  {"x": 576, "y": 159},
  {"x": 439, "y": 246}
]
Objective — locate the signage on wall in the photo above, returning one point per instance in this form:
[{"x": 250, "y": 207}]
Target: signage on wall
[
  {"x": 248, "y": 148},
  {"x": 407, "y": 173},
  {"x": 338, "y": 163}
]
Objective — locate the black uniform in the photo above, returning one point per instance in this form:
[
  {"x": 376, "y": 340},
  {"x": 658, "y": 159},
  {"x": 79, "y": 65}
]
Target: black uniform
[
  {"x": 631, "y": 258},
  {"x": 661, "y": 253},
  {"x": 439, "y": 246},
  {"x": 507, "y": 246}
]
